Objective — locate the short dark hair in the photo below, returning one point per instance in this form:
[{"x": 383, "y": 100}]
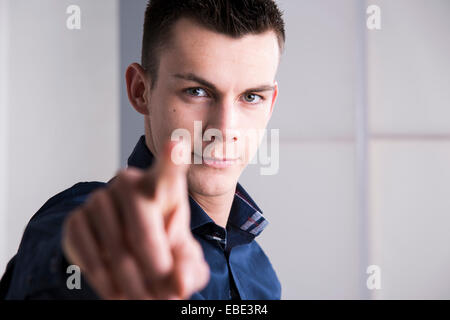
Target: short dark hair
[{"x": 235, "y": 18}]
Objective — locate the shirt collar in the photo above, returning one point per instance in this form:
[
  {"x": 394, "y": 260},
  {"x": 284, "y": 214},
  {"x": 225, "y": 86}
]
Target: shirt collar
[{"x": 245, "y": 215}]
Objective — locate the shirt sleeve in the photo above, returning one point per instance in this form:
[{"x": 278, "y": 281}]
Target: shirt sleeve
[{"x": 39, "y": 269}]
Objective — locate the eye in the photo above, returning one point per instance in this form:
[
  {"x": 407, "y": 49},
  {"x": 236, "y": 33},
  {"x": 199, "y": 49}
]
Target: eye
[
  {"x": 196, "y": 92},
  {"x": 253, "y": 98}
]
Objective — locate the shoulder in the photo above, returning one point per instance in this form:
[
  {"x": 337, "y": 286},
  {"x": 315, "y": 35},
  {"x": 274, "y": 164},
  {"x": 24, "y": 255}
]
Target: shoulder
[
  {"x": 67, "y": 199},
  {"x": 77, "y": 193},
  {"x": 33, "y": 269}
]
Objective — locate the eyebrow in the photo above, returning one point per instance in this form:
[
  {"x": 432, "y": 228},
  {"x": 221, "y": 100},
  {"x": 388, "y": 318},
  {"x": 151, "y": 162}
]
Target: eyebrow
[{"x": 192, "y": 77}]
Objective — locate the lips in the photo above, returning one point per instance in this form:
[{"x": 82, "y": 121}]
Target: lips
[{"x": 218, "y": 162}]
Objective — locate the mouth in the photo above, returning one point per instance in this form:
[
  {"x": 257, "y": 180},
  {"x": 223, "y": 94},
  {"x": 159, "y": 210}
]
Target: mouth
[{"x": 218, "y": 163}]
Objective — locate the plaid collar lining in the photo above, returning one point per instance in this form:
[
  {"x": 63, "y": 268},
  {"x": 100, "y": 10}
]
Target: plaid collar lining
[{"x": 255, "y": 223}]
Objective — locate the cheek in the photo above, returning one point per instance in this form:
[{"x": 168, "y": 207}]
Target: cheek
[
  {"x": 167, "y": 116},
  {"x": 264, "y": 116},
  {"x": 177, "y": 113},
  {"x": 255, "y": 118}
]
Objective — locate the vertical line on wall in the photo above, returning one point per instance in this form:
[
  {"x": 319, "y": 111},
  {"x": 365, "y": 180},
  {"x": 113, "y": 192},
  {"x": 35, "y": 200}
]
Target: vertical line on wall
[
  {"x": 131, "y": 21},
  {"x": 362, "y": 148},
  {"x": 4, "y": 133},
  {"x": 118, "y": 83}
]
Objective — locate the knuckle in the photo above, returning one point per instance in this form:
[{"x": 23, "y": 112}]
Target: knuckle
[
  {"x": 92, "y": 269},
  {"x": 136, "y": 238},
  {"x": 129, "y": 175},
  {"x": 93, "y": 272},
  {"x": 121, "y": 172},
  {"x": 133, "y": 172},
  {"x": 123, "y": 180},
  {"x": 73, "y": 221},
  {"x": 96, "y": 201},
  {"x": 125, "y": 262},
  {"x": 125, "y": 187},
  {"x": 98, "y": 196},
  {"x": 161, "y": 268}
]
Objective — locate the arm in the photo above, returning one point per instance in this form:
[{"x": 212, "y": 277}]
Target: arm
[{"x": 38, "y": 270}]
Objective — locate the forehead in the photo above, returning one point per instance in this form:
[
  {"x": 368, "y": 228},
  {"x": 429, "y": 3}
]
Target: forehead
[{"x": 221, "y": 58}]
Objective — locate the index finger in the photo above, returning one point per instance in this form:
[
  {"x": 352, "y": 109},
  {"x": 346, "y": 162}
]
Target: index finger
[{"x": 169, "y": 171}]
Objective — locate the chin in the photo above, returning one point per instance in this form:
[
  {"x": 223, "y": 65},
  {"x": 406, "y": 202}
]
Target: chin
[{"x": 210, "y": 182}]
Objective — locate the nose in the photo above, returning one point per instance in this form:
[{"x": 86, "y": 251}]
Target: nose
[{"x": 223, "y": 117}]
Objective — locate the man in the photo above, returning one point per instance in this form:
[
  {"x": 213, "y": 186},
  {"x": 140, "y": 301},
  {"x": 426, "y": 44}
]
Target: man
[{"x": 162, "y": 229}]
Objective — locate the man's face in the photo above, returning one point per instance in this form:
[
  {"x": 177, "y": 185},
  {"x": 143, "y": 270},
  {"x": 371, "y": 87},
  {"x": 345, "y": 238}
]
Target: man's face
[{"x": 209, "y": 77}]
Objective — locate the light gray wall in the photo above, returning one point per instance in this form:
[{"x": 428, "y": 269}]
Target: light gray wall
[
  {"x": 364, "y": 135},
  {"x": 409, "y": 85},
  {"x": 63, "y": 106},
  {"x": 4, "y": 129}
]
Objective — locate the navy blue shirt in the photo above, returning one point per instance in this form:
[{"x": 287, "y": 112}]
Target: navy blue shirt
[{"x": 239, "y": 269}]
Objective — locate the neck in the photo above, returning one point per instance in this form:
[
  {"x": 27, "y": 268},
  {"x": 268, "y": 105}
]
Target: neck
[{"x": 217, "y": 207}]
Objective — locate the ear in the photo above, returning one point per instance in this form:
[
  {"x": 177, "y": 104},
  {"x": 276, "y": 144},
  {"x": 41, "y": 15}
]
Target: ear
[
  {"x": 274, "y": 99},
  {"x": 138, "y": 88}
]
